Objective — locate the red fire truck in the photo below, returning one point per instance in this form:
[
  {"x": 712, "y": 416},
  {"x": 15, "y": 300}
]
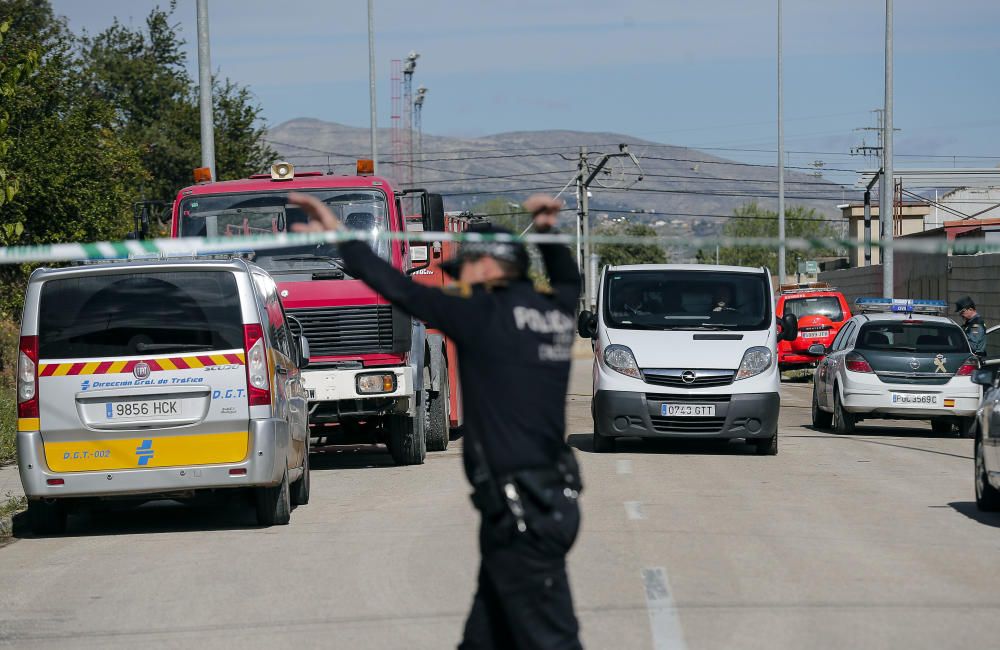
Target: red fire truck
[{"x": 375, "y": 374}]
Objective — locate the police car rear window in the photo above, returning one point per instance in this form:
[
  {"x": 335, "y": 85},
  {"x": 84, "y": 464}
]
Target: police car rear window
[
  {"x": 128, "y": 314},
  {"x": 828, "y": 306},
  {"x": 901, "y": 336}
]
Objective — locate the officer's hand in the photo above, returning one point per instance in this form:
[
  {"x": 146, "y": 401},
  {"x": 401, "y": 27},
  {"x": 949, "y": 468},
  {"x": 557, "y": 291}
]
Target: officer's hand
[
  {"x": 320, "y": 217},
  {"x": 544, "y": 210}
]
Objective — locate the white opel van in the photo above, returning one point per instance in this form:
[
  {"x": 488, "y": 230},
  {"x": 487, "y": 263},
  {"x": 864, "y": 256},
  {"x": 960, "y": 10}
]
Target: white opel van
[{"x": 686, "y": 351}]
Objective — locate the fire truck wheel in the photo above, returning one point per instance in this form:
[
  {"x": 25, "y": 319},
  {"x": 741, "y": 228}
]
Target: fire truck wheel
[
  {"x": 407, "y": 435},
  {"x": 274, "y": 504},
  {"x": 438, "y": 430}
]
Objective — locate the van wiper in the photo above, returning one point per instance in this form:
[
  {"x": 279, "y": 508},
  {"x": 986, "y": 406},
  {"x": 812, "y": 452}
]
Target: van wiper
[
  {"x": 157, "y": 347},
  {"x": 706, "y": 328}
]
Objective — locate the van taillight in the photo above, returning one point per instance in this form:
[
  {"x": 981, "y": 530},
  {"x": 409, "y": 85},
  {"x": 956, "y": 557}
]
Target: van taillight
[
  {"x": 27, "y": 377},
  {"x": 258, "y": 386}
]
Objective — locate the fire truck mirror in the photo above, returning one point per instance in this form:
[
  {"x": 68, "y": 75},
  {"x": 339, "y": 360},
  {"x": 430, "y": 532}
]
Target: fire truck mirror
[{"x": 433, "y": 213}]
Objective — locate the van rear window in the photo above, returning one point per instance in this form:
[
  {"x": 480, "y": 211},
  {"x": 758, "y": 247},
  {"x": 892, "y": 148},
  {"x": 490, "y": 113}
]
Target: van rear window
[{"x": 130, "y": 314}]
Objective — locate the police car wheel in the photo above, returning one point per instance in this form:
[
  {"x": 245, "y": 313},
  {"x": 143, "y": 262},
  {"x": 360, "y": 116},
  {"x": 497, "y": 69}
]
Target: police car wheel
[
  {"x": 820, "y": 418},
  {"x": 603, "y": 444},
  {"x": 274, "y": 507},
  {"x": 439, "y": 427},
  {"x": 987, "y": 496},
  {"x": 46, "y": 517},
  {"x": 300, "y": 489},
  {"x": 843, "y": 421}
]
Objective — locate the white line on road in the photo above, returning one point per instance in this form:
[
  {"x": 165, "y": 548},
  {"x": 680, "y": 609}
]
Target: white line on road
[
  {"x": 664, "y": 623},
  {"x": 634, "y": 510},
  {"x": 624, "y": 467}
]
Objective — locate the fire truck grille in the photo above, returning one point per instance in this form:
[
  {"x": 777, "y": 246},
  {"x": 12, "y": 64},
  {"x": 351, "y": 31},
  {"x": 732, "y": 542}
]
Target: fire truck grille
[{"x": 341, "y": 331}]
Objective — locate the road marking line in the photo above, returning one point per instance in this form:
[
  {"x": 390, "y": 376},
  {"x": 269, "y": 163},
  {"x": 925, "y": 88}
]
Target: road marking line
[
  {"x": 624, "y": 467},
  {"x": 634, "y": 510},
  {"x": 664, "y": 622}
]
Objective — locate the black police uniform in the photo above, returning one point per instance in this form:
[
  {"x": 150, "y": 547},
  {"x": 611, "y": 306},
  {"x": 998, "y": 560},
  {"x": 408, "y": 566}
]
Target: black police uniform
[{"x": 514, "y": 349}]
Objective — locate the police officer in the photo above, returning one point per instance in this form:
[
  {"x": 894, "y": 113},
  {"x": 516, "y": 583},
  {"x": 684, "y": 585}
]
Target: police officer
[
  {"x": 514, "y": 348},
  {"x": 975, "y": 328}
]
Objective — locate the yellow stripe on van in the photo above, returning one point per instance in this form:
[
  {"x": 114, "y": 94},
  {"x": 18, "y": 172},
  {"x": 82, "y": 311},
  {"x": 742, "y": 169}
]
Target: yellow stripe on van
[
  {"x": 219, "y": 359},
  {"x": 117, "y": 367},
  {"x": 28, "y": 424},
  {"x": 166, "y": 364},
  {"x": 193, "y": 362},
  {"x": 89, "y": 368},
  {"x": 151, "y": 452},
  {"x": 62, "y": 369}
]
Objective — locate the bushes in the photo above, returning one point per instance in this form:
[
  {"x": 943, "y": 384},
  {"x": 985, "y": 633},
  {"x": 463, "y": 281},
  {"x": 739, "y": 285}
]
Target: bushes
[{"x": 9, "y": 332}]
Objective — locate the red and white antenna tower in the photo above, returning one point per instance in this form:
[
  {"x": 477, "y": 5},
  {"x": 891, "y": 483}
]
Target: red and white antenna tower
[{"x": 397, "y": 113}]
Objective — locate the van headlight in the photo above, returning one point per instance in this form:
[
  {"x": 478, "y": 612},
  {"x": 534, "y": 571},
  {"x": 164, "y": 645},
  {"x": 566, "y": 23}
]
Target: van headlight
[
  {"x": 755, "y": 361},
  {"x": 620, "y": 359}
]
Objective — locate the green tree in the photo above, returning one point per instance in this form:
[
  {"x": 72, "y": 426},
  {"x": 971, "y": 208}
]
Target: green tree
[
  {"x": 753, "y": 221},
  {"x": 142, "y": 72},
  {"x": 76, "y": 175},
  {"x": 618, "y": 254},
  {"x": 14, "y": 70},
  {"x": 504, "y": 213}
]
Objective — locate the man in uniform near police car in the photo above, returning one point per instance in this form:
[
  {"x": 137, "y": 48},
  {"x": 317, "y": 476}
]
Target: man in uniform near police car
[
  {"x": 514, "y": 348},
  {"x": 975, "y": 328}
]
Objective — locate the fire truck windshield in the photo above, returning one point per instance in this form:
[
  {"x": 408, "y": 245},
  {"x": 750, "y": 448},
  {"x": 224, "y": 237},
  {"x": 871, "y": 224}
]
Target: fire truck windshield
[{"x": 265, "y": 213}]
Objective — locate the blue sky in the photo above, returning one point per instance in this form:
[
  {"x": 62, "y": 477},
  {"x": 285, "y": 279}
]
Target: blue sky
[{"x": 700, "y": 74}]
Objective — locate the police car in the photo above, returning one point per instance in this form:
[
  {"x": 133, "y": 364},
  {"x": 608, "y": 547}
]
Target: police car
[{"x": 899, "y": 359}]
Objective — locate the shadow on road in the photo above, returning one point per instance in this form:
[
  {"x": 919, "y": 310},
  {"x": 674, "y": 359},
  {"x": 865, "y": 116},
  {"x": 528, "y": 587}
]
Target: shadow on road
[
  {"x": 584, "y": 442},
  {"x": 350, "y": 457},
  {"x": 229, "y": 512},
  {"x": 969, "y": 509}
]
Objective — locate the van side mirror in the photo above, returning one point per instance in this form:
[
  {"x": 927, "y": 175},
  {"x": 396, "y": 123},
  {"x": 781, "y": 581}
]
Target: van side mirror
[
  {"x": 303, "y": 360},
  {"x": 789, "y": 325},
  {"x": 985, "y": 376},
  {"x": 586, "y": 324}
]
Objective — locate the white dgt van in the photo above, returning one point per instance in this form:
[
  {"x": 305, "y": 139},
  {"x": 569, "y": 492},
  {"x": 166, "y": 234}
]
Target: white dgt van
[
  {"x": 686, "y": 351},
  {"x": 166, "y": 379}
]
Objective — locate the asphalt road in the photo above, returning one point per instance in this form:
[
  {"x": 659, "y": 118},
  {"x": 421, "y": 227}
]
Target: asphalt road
[{"x": 863, "y": 541}]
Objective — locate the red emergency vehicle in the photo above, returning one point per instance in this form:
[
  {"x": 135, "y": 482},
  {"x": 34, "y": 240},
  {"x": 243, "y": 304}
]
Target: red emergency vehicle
[
  {"x": 821, "y": 310},
  {"x": 375, "y": 374}
]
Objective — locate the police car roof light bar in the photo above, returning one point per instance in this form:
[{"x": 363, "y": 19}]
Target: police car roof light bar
[{"x": 901, "y": 305}]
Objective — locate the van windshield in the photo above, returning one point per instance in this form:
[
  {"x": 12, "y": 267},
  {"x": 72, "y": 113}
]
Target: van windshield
[
  {"x": 139, "y": 313},
  {"x": 266, "y": 213},
  {"x": 676, "y": 299}
]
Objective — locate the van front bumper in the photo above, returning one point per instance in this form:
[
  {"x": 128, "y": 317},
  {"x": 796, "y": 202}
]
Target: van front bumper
[
  {"x": 264, "y": 465},
  {"x": 626, "y": 413}
]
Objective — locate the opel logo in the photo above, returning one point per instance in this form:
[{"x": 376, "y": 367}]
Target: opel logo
[
  {"x": 914, "y": 364},
  {"x": 141, "y": 370},
  {"x": 688, "y": 376}
]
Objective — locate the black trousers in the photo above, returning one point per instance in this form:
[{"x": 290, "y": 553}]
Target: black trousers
[{"x": 523, "y": 599}]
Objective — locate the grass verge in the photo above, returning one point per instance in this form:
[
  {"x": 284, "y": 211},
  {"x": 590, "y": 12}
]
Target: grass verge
[
  {"x": 8, "y": 425},
  {"x": 10, "y": 506}
]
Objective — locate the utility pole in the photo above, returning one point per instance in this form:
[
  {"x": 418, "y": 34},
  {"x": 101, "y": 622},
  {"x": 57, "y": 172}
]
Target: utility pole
[
  {"x": 581, "y": 207},
  {"x": 886, "y": 208},
  {"x": 205, "y": 90},
  {"x": 418, "y": 110},
  {"x": 371, "y": 84},
  {"x": 781, "y": 162}
]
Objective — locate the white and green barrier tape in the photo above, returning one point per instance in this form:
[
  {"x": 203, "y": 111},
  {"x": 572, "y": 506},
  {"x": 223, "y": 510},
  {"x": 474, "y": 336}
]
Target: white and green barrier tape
[{"x": 201, "y": 246}]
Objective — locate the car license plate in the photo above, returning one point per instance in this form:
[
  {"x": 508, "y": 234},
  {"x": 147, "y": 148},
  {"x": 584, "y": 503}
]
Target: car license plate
[
  {"x": 688, "y": 410},
  {"x": 813, "y": 335},
  {"x": 915, "y": 399},
  {"x": 143, "y": 409}
]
